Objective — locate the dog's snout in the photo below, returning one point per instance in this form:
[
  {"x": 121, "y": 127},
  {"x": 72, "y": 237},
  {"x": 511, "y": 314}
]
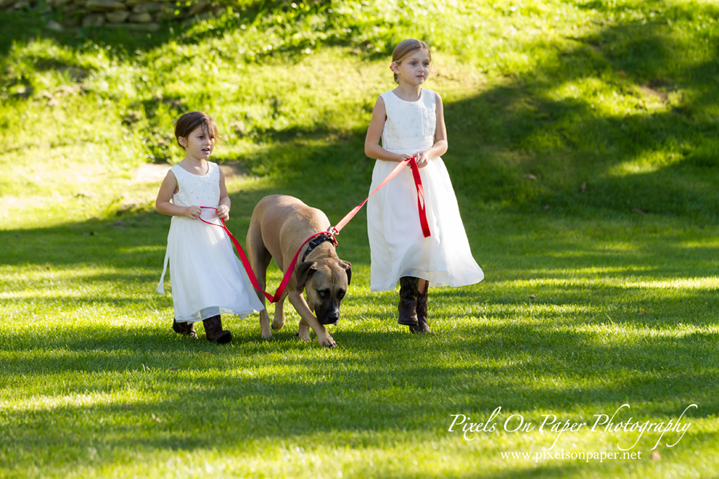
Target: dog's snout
[{"x": 330, "y": 317}]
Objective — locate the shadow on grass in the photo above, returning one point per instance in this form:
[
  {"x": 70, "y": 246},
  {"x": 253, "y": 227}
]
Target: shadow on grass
[
  {"x": 577, "y": 153},
  {"x": 275, "y": 15},
  {"x": 378, "y": 390},
  {"x": 138, "y": 239},
  {"x": 469, "y": 358}
]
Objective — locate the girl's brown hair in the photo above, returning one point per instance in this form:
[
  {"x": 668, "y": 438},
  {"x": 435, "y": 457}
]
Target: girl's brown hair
[
  {"x": 188, "y": 122},
  {"x": 404, "y": 48}
]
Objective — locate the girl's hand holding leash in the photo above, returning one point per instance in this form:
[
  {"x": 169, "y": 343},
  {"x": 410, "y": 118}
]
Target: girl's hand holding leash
[
  {"x": 223, "y": 211},
  {"x": 193, "y": 212},
  {"x": 422, "y": 158}
]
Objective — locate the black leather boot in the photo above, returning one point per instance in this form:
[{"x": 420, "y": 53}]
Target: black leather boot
[
  {"x": 214, "y": 332},
  {"x": 408, "y": 301},
  {"x": 422, "y": 324},
  {"x": 185, "y": 329}
]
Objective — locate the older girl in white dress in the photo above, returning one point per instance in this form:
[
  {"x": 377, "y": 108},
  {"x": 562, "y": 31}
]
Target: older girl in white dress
[
  {"x": 410, "y": 122},
  {"x": 207, "y": 278}
]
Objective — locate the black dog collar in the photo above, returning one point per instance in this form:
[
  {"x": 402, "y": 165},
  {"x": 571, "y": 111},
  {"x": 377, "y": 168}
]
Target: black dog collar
[{"x": 317, "y": 241}]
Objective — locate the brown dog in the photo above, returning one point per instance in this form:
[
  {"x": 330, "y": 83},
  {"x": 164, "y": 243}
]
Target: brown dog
[{"x": 279, "y": 226}]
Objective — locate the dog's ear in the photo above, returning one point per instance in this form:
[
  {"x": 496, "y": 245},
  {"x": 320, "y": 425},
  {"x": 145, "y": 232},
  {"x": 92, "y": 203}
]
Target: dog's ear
[
  {"x": 304, "y": 272},
  {"x": 347, "y": 266}
]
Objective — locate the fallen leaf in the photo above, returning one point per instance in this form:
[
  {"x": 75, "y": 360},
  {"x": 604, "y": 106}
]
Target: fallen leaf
[
  {"x": 532, "y": 296},
  {"x": 530, "y": 176},
  {"x": 641, "y": 313},
  {"x": 622, "y": 74},
  {"x": 638, "y": 211},
  {"x": 583, "y": 187},
  {"x": 656, "y": 456}
]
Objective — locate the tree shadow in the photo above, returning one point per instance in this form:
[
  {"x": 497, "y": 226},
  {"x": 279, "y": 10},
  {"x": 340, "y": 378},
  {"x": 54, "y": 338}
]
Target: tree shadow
[
  {"x": 533, "y": 126},
  {"x": 364, "y": 392},
  {"x": 222, "y": 19}
]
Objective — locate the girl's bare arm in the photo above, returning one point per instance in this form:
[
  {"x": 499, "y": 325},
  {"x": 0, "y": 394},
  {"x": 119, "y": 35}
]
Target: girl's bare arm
[{"x": 223, "y": 209}]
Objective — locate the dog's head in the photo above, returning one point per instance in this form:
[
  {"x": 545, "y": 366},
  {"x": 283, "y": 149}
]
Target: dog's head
[{"x": 325, "y": 282}]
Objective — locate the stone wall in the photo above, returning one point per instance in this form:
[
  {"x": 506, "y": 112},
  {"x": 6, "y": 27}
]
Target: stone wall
[{"x": 144, "y": 15}]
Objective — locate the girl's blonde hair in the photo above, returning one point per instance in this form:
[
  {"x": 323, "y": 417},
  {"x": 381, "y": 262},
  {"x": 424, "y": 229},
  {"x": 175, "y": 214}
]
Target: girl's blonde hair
[{"x": 404, "y": 48}]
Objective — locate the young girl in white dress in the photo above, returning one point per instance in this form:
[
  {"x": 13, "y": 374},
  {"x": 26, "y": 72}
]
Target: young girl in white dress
[
  {"x": 206, "y": 277},
  {"x": 410, "y": 122}
]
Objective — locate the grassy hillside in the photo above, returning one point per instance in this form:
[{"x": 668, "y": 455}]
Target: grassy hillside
[
  {"x": 615, "y": 95},
  {"x": 582, "y": 149}
]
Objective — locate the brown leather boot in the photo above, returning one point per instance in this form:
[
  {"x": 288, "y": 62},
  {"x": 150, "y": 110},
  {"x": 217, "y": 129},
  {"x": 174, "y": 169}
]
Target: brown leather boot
[
  {"x": 214, "y": 332},
  {"x": 407, "y": 301},
  {"x": 185, "y": 329},
  {"x": 422, "y": 324}
]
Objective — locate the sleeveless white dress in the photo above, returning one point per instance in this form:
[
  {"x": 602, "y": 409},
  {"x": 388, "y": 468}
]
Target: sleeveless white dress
[
  {"x": 397, "y": 244},
  {"x": 207, "y": 278}
]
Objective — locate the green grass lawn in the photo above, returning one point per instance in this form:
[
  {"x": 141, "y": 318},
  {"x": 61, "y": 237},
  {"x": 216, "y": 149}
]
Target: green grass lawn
[{"x": 583, "y": 139}]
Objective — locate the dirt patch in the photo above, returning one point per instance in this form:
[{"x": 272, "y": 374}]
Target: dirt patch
[
  {"x": 232, "y": 171},
  {"x": 150, "y": 173},
  {"x": 662, "y": 95}
]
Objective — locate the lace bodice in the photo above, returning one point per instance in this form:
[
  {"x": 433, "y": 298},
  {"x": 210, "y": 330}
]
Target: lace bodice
[
  {"x": 410, "y": 125},
  {"x": 197, "y": 190}
]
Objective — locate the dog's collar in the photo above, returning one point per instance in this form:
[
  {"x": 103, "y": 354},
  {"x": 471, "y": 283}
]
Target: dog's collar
[{"x": 317, "y": 241}]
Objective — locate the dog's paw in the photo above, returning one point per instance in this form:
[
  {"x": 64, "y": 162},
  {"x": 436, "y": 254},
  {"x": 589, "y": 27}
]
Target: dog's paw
[
  {"x": 267, "y": 336},
  {"x": 277, "y": 326},
  {"x": 328, "y": 342}
]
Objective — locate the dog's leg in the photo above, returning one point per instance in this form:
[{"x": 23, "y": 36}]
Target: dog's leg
[
  {"x": 304, "y": 330},
  {"x": 279, "y": 320},
  {"x": 303, "y": 309},
  {"x": 259, "y": 260},
  {"x": 264, "y": 315}
]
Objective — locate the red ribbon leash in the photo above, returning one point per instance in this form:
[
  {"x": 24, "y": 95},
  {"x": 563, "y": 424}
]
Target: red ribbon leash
[
  {"x": 248, "y": 267},
  {"x": 412, "y": 162},
  {"x": 333, "y": 230}
]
